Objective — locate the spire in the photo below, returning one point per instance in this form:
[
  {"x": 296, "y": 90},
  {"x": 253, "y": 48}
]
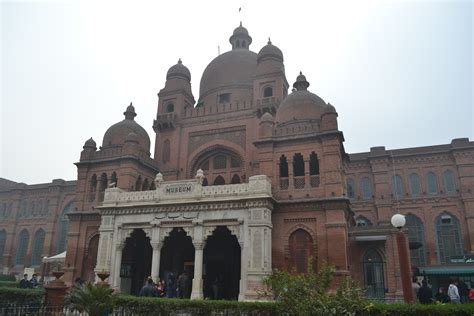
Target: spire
[
  {"x": 179, "y": 61},
  {"x": 301, "y": 83},
  {"x": 130, "y": 112},
  {"x": 269, "y": 41},
  {"x": 240, "y": 39}
]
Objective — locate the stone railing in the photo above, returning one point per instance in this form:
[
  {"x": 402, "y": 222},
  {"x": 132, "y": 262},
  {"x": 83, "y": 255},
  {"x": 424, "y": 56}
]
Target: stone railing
[{"x": 186, "y": 191}]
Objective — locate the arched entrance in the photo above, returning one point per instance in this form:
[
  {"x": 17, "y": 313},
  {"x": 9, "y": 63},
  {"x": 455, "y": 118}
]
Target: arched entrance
[
  {"x": 136, "y": 262},
  {"x": 373, "y": 274},
  {"x": 222, "y": 265},
  {"x": 301, "y": 251},
  {"x": 90, "y": 259},
  {"x": 177, "y": 256}
]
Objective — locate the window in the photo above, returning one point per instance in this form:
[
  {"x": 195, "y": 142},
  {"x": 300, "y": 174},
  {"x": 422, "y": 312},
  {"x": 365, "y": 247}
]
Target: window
[
  {"x": 166, "y": 150},
  {"x": 63, "y": 228},
  {"x": 298, "y": 165},
  {"x": 397, "y": 186},
  {"x": 283, "y": 167},
  {"x": 416, "y": 237},
  {"x": 373, "y": 274},
  {"x": 224, "y": 98},
  {"x": 204, "y": 165},
  {"x": 170, "y": 108},
  {"x": 448, "y": 235},
  {"x": 268, "y": 92},
  {"x": 138, "y": 183},
  {"x": 234, "y": 163},
  {"x": 220, "y": 162},
  {"x": 38, "y": 244},
  {"x": 3, "y": 240},
  {"x": 145, "y": 186},
  {"x": 431, "y": 183},
  {"x": 449, "y": 184},
  {"x": 361, "y": 221},
  {"x": 235, "y": 179},
  {"x": 301, "y": 250},
  {"x": 114, "y": 179},
  {"x": 219, "y": 181},
  {"x": 205, "y": 183},
  {"x": 313, "y": 164},
  {"x": 414, "y": 184},
  {"x": 350, "y": 188},
  {"x": 366, "y": 186},
  {"x": 103, "y": 182},
  {"x": 22, "y": 247}
]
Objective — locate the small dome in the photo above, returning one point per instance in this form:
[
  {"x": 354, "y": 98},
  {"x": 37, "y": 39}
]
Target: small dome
[
  {"x": 90, "y": 143},
  {"x": 240, "y": 30},
  {"x": 179, "y": 71},
  {"x": 118, "y": 133},
  {"x": 270, "y": 51},
  {"x": 301, "y": 105},
  {"x": 240, "y": 38},
  {"x": 267, "y": 117}
]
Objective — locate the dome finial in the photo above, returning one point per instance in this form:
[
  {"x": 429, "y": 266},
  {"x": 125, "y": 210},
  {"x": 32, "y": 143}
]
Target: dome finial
[
  {"x": 301, "y": 83},
  {"x": 130, "y": 112},
  {"x": 240, "y": 23},
  {"x": 240, "y": 38},
  {"x": 269, "y": 41},
  {"x": 179, "y": 61}
]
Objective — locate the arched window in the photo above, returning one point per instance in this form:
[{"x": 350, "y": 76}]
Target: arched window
[
  {"x": 414, "y": 184},
  {"x": 169, "y": 108},
  {"x": 94, "y": 183},
  {"x": 3, "y": 241},
  {"x": 63, "y": 228},
  {"x": 416, "y": 237},
  {"x": 38, "y": 243},
  {"x": 449, "y": 183},
  {"x": 298, "y": 165},
  {"x": 431, "y": 183},
  {"x": 220, "y": 162},
  {"x": 166, "y": 150},
  {"x": 244, "y": 44},
  {"x": 114, "y": 179},
  {"x": 301, "y": 250},
  {"x": 219, "y": 181},
  {"x": 238, "y": 43},
  {"x": 448, "y": 237},
  {"x": 235, "y": 179},
  {"x": 366, "y": 187},
  {"x": 374, "y": 283},
  {"x": 313, "y": 164},
  {"x": 22, "y": 247},
  {"x": 350, "y": 188},
  {"x": 145, "y": 186},
  {"x": 361, "y": 221},
  {"x": 283, "y": 167},
  {"x": 205, "y": 182},
  {"x": 102, "y": 186},
  {"x": 268, "y": 92},
  {"x": 397, "y": 186},
  {"x": 138, "y": 184}
]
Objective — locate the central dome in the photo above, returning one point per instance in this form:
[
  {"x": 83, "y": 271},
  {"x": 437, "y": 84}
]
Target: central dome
[{"x": 233, "y": 69}]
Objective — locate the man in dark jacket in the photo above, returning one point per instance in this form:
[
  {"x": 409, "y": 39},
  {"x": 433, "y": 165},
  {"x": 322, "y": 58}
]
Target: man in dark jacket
[
  {"x": 425, "y": 295},
  {"x": 149, "y": 289},
  {"x": 24, "y": 283}
]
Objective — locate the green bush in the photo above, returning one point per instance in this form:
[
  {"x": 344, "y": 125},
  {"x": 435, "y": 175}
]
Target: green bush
[
  {"x": 9, "y": 284},
  {"x": 417, "y": 309},
  {"x": 7, "y": 277},
  {"x": 168, "y": 306},
  {"x": 20, "y": 296},
  {"x": 94, "y": 299}
]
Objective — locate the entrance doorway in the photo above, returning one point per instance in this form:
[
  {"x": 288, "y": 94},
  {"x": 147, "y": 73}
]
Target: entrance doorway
[
  {"x": 136, "y": 262},
  {"x": 222, "y": 265},
  {"x": 177, "y": 256}
]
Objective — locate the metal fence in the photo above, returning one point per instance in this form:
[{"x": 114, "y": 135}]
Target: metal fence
[{"x": 36, "y": 309}]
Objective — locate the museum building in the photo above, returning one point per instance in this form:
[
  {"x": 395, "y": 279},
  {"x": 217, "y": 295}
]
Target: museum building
[{"x": 245, "y": 179}]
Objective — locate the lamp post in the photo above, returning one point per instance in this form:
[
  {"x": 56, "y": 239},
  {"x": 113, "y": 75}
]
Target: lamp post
[{"x": 398, "y": 221}]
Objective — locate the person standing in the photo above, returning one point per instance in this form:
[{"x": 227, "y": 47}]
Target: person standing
[
  {"x": 453, "y": 292},
  {"x": 148, "y": 289},
  {"x": 441, "y": 296},
  {"x": 425, "y": 295},
  {"x": 24, "y": 283},
  {"x": 471, "y": 294},
  {"x": 34, "y": 281},
  {"x": 415, "y": 287}
]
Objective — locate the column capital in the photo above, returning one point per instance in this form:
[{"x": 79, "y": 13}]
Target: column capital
[
  {"x": 199, "y": 245},
  {"x": 156, "y": 245},
  {"x": 119, "y": 246}
]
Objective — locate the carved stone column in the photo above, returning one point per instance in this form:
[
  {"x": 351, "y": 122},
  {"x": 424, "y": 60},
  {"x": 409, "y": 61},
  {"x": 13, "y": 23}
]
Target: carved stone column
[
  {"x": 117, "y": 265},
  {"x": 197, "y": 292},
  {"x": 155, "y": 260},
  {"x": 243, "y": 271}
]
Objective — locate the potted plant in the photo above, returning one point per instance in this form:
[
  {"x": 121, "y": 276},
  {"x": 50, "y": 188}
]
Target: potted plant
[{"x": 94, "y": 299}]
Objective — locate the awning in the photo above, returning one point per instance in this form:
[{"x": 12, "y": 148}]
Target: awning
[
  {"x": 56, "y": 258},
  {"x": 447, "y": 270}
]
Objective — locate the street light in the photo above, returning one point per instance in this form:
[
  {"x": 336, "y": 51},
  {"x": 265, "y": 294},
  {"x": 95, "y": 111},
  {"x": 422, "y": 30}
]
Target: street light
[{"x": 398, "y": 221}]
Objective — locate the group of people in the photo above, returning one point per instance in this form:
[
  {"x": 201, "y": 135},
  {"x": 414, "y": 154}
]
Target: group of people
[
  {"x": 171, "y": 287},
  {"x": 457, "y": 292},
  {"x": 29, "y": 284}
]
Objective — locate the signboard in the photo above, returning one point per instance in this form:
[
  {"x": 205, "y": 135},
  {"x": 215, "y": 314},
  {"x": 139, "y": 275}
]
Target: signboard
[
  {"x": 178, "y": 188},
  {"x": 462, "y": 259}
]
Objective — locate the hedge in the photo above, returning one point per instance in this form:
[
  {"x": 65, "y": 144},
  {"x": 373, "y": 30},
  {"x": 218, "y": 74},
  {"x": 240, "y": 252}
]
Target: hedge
[
  {"x": 7, "y": 277},
  {"x": 418, "y": 309},
  {"x": 20, "y": 296},
  {"x": 169, "y": 306},
  {"x": 9, "y": 284}
]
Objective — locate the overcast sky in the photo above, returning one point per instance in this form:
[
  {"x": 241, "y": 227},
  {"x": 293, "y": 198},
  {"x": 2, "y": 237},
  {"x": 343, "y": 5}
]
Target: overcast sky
[{"x": 400, "y": 73}]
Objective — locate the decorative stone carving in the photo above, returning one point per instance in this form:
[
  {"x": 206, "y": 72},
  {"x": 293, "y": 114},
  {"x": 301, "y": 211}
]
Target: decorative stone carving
[
  {"x": 200, "y": 176},
  {"x": 158, "y": 180}
]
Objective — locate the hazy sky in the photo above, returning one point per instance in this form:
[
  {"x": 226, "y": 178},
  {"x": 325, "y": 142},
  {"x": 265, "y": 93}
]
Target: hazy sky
[{"x": 400, "y": 73}]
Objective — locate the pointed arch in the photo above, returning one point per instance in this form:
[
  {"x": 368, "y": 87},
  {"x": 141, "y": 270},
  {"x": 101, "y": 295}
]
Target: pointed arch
[
  {"x": 374, "y": 277},
  {"x": 414, "y": 184},
  {"x": 114, "y": 179},
  {"x": 301, "y": 250},
  {"x": 22, "y": 247},
  {"x": 416, "y": 234},
  {"x": 219, "y": 180},
  {"x": 38, "y": 244},
  {"x": 431, "y": 183},
  {"x": 397, "y": 186},
  {"x": 366, "y": 188},
  {"x": 235, "y": 179},
  {"x": 138, "y": 184},
  {"x": 448, "y": 237},
  {"x": 449, "y": 182},
  {"x": 146, "y": 185}
]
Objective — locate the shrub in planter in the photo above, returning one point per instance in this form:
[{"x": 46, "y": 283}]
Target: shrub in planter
[{"x": 94, "y": 299}]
